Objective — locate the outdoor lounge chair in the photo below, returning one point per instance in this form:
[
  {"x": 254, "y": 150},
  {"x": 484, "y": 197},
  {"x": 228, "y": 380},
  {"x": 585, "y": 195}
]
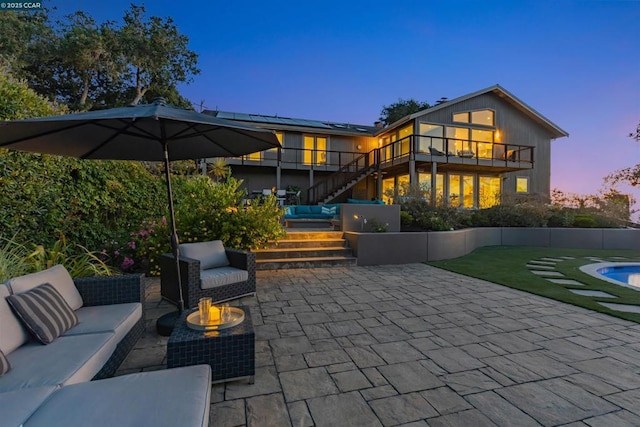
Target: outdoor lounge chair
[{"x": 207, "y": 269}]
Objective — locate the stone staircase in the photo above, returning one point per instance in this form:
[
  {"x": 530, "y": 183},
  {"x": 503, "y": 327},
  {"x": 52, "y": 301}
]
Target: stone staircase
[{"x": 306, "y": 249}]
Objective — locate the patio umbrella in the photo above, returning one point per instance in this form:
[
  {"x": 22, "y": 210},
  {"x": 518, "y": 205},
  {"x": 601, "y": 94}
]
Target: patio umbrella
[{"x": 151, "y": 132}]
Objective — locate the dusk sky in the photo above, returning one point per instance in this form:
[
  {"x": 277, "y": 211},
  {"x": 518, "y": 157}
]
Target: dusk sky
[{"x": 575, "y": 62}]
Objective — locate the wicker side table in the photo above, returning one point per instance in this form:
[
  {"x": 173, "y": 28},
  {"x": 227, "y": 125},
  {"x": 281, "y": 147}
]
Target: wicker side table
[{"x": 230, "y": 352}]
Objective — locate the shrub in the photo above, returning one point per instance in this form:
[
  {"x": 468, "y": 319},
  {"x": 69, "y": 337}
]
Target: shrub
[
  {"x": 12, "y": 260},
  {"x": 406, "y": 220},
  {"x": 206, "y": 210},
  {"x": 585, "y": 221}
]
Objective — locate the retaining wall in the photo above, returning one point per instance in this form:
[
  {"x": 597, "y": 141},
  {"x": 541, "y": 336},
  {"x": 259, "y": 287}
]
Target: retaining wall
[{"x": 403, "y": 248}]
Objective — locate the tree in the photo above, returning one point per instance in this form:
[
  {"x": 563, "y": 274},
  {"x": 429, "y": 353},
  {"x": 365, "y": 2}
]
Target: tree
[
  {"x": 156, "y": 53},
  {"x": 394, "y": 112},
  {"x": 629, "y": 175},
  {"x": 19, "y": 33},
  {"x": 636, "y": 135}
]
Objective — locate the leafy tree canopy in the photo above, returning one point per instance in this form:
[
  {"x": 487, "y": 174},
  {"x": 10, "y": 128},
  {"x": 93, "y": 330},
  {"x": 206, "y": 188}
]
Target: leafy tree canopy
[
  {"x": 394, "y": 112},
  {"x": 90, "y": 65}
]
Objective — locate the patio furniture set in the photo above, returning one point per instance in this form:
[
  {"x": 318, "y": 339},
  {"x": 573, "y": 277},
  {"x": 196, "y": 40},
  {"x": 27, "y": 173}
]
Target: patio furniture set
[{"x": 61, "y": 339}]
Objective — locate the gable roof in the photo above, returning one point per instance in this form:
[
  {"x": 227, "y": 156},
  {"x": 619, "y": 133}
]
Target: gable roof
[{"x": 554, "y": 129}]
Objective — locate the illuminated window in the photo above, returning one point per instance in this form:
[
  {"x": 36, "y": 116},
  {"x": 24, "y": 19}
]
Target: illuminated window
[
  {"x": 461, "y": 191},
  {"x": 489, "y": 191},
  {"x": 482, "y": 139},
  {"x": 424, "y": 180},
  {"x": 482, "y": 117},
  {"x": 404, "y": 135},
  {"x": 461, "y": 117},
  {"x": 403, "y": 185},
  {"x": 315, "y": 150},
  {"x": 259, "y": 155},
  {"x": 522, "y": 184},
  {"x": 479, "y": 117},
  {"x": 431, "y": 136},
  {"x": 388, "y": 188},
  {"x": 458, "y": 140}
]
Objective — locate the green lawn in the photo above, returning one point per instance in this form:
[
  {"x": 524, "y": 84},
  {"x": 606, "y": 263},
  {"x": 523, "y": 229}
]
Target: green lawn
[{"x": 506, "y": 265}]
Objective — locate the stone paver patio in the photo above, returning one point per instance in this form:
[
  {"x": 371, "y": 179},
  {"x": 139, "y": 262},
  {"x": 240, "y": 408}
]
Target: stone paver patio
[{"x": 415, "y": 345}]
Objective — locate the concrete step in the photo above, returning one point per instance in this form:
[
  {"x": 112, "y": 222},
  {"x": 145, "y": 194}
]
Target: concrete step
[
  {"x": 290, "y": 263},
  {"x": 303, "y": 243},
  {"x": 264, "y": 254},
  {"x": 312, "y": 235}
]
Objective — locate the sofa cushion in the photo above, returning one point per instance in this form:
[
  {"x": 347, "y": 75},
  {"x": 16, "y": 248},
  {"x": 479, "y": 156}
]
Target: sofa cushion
[
  {"x": 289, "y": 210},
  {"x": 222, "y": 276},
  {"x": 5, "y": 366},
  {"x": 13, "y": 333},
  {"x": 58, "y": 276},
  {"x": 210, "y": 254},
  {"x": 18, "y": 405},
  {"x": 303, "y": 209},
  {"x": 116, "y": 318},
  {"x": 44, "y": 312},
  {"x": 172, "y": 397},
  {"x": 67, "y": 360}
]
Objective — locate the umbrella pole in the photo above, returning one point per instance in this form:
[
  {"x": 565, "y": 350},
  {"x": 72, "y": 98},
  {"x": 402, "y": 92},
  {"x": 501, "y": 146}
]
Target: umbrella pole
[
  {"x": 166, "y": 322},
  {"x": 174, "y": 233}
]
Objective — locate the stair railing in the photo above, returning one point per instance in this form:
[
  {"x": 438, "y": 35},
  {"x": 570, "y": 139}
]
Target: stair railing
[{"x": 352, "y": 170}]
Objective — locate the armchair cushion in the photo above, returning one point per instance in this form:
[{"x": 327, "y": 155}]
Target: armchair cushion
[
  {"x": 44, "y": 312},
  {"x": 222, "y": 276},
  {"x": 210, "y": 254},
  {"x": 57, "y": 276}
]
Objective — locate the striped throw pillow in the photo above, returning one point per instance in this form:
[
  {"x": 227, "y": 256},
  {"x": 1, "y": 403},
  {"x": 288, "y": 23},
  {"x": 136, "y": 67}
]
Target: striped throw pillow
[
  {"x": 328, "y": 211},
  {"x": 44, "y": 312},
  {"x": 4, "y": 364}
]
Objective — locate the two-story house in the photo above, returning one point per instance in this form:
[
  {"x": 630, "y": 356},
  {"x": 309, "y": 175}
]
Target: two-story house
[{"x": 472, "y": 151}]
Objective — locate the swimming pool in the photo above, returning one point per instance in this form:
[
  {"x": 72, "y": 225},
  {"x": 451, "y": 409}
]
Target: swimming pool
[{"x": 620, "y": 273}]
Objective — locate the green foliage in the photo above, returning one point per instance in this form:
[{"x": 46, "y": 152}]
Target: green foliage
[
  {"x": 77, "y": 259},
  {"x": 156, "y": 53},
  {"x": 17, "y": 101},
  {"x": 406, "y": 220},
  {"x": 87, "y": 201},
  {"x": 507, "y": 265},
  {"x": 86, "y": 64},
  {"x": 17, "y": 259},
  {"x": 12, "y": 260},
  {"x": 205, "y": 210},
  {"x": 378, "y": 227},
  {"x": 394, "y": 112},
  {"x": 585, "y": 221}
]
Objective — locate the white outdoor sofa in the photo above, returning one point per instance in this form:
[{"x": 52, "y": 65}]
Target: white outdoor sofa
[{"x": 51, "y": 384}]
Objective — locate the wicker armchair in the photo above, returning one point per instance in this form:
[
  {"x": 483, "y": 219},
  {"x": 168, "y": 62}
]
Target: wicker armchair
[{"x": 192, "y": 277}]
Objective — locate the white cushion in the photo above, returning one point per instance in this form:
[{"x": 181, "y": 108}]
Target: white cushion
[
  {"x": 18, "y": 405},
  {"x": 67, "y": 360},
  {"x": 12, "y": 333},
  {"x": 222, "y": 276},
  {"x": 172, "y": 397},
  {"x": 210, "y": 254},
  {"x": 116, "y": 318},
  {"x": 58, "y": 276}
]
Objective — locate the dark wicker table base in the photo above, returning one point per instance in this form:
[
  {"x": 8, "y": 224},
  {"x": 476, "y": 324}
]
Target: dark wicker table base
[{"x": 230, "y": 352}]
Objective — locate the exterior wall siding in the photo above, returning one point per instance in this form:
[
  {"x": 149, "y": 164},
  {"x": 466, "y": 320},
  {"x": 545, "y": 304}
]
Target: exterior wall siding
[{"x": 516, "y": 128}]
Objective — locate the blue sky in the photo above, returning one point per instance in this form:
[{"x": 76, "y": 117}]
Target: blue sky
[{"x": 575, "y": 62}]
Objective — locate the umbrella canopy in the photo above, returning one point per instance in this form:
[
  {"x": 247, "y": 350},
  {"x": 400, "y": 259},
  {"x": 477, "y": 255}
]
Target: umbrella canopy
[
  {"x": 138, "y": 132},
  {"x": 152, "y": 132}
]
